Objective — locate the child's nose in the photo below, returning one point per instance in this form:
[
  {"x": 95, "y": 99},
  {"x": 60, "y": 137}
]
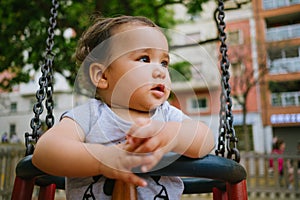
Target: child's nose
[{"x": 159, "y": 72}]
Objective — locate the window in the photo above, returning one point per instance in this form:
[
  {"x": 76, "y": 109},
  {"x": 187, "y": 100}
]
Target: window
[
  {"x": 197, "y": 104},
  {"x": 292, "y": 52},
  {"x": 285, "y": 99},
  {"x": 283, "y": 60},
  {"x": 281, "y": 53},
  {"x": 276, "y": 99},
  {"x": 12, "y": 129},
  {"x": 13, "y": 107},
  {"x": 235, "y": 37},
  {"x": 289, "y": 100},
  {"x": 284, "y": 86}
]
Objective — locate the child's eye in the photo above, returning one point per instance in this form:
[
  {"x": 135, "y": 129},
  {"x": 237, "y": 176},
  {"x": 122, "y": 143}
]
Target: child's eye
[
  {"x": 164, "y": 63},
  {"x": 144, "y": 59}
]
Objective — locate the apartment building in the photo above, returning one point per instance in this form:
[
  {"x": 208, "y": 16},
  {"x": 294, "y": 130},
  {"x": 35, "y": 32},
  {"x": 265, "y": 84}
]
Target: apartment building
[
  {"x": 278, "y": 44},
  {"x": 203, "y": 102},
  {"x": 16, "y": 107}
]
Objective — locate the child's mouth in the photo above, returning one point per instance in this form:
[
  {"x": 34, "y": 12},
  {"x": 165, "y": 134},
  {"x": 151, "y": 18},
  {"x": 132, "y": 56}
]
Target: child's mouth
[
  {"x": 160, "y": 88},
  {"x": 158, "y": 91}
]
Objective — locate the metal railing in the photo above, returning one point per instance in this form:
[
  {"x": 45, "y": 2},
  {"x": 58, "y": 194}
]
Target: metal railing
[
  {"x": 283, "y": 32},
  {"x": 273, "y": 4},
  {"x": 284, "y": 99},
  {"x": 284, "y": 65}
]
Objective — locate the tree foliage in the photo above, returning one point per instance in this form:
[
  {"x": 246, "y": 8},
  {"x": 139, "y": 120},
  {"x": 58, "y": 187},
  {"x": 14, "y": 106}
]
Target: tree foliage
[
  {"x": 180, "y": 71},
  {"x": 24, "y": 30}
]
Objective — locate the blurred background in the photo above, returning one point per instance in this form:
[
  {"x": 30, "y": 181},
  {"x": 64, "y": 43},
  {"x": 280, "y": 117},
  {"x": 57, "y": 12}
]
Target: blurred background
[{"x": 263, "y": 38}]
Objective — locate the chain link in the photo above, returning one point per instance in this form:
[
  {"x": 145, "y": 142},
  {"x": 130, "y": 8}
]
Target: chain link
[
  {"x": 45, "y": 90},
  {"x": 227, "y": 139}
]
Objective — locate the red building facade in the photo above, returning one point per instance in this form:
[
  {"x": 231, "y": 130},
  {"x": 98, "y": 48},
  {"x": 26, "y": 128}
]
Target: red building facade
[{"x": 278, "y": 42}]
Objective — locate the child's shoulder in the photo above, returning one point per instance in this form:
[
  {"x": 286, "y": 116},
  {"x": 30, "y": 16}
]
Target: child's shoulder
[
  {"x": 85, "y": 109},
  {"x": 88, "y": 104},
  {"x": 85, "y": 114}
]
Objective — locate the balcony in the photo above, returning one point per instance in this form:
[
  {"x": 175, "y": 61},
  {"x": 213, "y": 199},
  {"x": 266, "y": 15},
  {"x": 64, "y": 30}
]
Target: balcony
[
  {"x": 283, "y": 33},
  {"x": 273, "y": 4},
  {"x": 284, "y": 65},
  {"x": 284, "y": 99}
]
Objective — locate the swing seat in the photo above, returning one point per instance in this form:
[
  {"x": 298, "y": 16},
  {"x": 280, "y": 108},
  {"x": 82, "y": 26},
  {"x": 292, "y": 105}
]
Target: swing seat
[{"x": 223, "y": 177}]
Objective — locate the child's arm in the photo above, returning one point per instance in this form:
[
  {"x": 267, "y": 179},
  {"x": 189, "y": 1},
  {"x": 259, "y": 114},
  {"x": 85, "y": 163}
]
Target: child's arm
[
  {"x": 61, "y": 151},
  {"x": 190, "y": 138}
]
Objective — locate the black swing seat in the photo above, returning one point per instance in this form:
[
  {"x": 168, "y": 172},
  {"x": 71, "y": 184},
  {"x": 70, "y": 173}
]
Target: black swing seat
[
  {"x": 205, "y": 175},
  {"x": 26, "y": 170}
]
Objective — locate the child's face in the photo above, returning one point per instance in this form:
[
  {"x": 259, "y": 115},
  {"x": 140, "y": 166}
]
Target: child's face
[{"x": 139, "y": 77}]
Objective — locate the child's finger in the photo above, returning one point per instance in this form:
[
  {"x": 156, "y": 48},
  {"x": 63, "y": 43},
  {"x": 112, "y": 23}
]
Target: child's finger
[
  {"x": 149, "y": 145},
  {"x": 134, "y": 179},
  {"x": 133, "y": 144},
  {"x": 156, "y": 157}
]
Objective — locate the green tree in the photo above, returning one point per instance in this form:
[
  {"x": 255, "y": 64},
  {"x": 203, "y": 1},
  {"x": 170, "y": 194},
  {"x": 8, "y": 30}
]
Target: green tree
[
  {"x": 24, "y": 30},
  {"x": 180, "y": 71}
]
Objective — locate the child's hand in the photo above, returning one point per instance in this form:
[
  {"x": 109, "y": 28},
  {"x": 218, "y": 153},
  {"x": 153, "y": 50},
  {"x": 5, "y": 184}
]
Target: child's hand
[
  {"x": 118, "y": 163},
  {"x": 147, "y": 136},
  {"x": 132, "y": 142}
]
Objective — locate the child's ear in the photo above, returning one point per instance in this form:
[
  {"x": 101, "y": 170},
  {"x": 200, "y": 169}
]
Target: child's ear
[{"x": 97, "y": 75}]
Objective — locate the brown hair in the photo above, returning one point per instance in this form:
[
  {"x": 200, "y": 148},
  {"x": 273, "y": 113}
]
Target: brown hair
[
  {"x": 278, "y": 143},
  {"x": 100, "y": 30}
]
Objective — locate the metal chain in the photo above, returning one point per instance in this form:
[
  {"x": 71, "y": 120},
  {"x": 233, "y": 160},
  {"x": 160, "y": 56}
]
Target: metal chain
[
  {"x": 46, "y": 87},
  {"x": 49, "y": 62},
  {"x": 227, "y": 136}
]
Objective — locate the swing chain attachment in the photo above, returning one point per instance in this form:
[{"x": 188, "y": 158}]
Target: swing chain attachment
[
  {"x": 227, "y": 135},
  {"x": 46, "y": 87}
]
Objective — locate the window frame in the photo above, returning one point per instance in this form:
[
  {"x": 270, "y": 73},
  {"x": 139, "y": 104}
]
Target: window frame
[
  {"x": 240, "y": 39},
  {"x": 13, "y": 107},
  {"x": 192, "y": 109}
]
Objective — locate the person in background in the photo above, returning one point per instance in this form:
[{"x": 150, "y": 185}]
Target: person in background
[
  {"x": 4, "y": 138},
  {"x": 279, "y": 149}
]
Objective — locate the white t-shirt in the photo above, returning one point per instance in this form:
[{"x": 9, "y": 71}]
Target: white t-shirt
[{"x": 101, "y": 125}]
